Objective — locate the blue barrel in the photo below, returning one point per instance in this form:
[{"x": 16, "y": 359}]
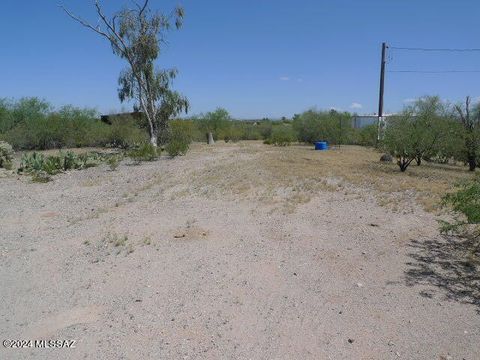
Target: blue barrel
[{"x": 321, "y": 145}]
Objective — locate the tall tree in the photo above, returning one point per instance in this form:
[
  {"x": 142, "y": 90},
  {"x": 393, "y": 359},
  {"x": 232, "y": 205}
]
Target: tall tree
[
  {"x": 470, "y": 120},
  {"x": 417, "y": 132},
  {"x": 136, "y": 35}
]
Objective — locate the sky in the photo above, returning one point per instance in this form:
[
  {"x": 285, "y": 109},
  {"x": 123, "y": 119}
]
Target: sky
[{"x": 262, "y": 58}]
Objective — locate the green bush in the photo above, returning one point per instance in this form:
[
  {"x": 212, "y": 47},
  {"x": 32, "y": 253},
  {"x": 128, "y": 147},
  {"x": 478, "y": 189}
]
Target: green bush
[
  {"x": 331, "y": 126},
  {"x": 177, "y": 147},
  {"x": 32, "y": 124},
  {"x": 419, "y": 132},
  {"x": 283, "y": 135},
  {"x": 465, "y": 203},
  {"x": 113, "y": 161},
  {"x": 37, "y": 164},
  {"x": 365, "y": 136},
  {"x": 145, "y": 152},
  {"x": 232, "y": 133},
  {"x": 125, "y": 134},
  {"x": 181, "y": 135},
  {"x": 6, "y": 155}
]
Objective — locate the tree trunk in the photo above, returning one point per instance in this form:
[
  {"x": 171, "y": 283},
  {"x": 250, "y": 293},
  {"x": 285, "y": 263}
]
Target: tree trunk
[
  {"x": 418, "y": 160},
  {"x": 153, "y": 140},
  {"x": 210, "y": 139},
  {"x": 472, "y": 163},
  {"x": 403, "y": 163}
]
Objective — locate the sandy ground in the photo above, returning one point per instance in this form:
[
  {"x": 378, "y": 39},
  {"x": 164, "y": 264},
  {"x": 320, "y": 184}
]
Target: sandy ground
[{"x": 214, "y": 256}]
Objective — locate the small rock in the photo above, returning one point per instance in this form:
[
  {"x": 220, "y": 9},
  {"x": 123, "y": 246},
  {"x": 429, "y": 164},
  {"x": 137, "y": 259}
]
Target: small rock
[
  {"x": 386, "y": 158},
  {"x": 351, "y": 341}
]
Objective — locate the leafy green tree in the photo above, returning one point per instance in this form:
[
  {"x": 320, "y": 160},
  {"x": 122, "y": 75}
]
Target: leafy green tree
[
  {"x": 135, "y": 36},
  {"x": 283, "y": 135},
  {"x": 416, "y": 133},
  {"x": 332, "y": 126},
  {"x": 470, "y": 119},
  {"x": 215, "y": 122},
  {"x": 465, "y": 204}
]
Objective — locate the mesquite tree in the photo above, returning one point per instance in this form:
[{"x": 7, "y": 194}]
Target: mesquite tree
[
  {"x": 135, "y": 36},
  {"x": 417, "y": 132},
  {"x": 471, "y": 124}
]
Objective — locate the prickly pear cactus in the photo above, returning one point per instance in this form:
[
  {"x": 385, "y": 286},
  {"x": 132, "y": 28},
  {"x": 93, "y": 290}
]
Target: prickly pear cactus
[{"x": 6, "y": 155}]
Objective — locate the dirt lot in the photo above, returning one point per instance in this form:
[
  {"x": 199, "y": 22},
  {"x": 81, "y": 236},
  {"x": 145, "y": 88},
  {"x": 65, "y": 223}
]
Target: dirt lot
[{"x": 237, "y": 251}]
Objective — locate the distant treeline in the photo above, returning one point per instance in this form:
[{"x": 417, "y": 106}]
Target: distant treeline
[{"x": 34, "y": 124}]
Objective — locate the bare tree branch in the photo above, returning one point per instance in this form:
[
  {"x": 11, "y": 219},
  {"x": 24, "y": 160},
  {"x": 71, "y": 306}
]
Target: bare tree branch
[
  {"x": 143, "y": 8},
  {"x": 84, "y": 23}
]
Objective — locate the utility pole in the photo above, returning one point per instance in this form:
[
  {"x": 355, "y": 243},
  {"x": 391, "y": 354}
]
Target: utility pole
[{"x": 382, "y": 88}]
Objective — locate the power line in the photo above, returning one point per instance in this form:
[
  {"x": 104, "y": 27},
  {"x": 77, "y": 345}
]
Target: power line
[
  {"x": 434, "y": 50},
  {"x": 434, "y": 71}
]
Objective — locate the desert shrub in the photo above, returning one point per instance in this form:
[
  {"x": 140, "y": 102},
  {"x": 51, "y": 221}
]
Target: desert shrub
[
  {"x": 32, "y": 124},
  {"x": 232, "y": 133},
  {"x": 251, "y": 132},
  {"x": 283, "y": 135},
  {"x": 125, "y": 134},
  {"x": 6, "y": 155},
  {"x": 265, "y": 129},
  {"x": 465, "y": 203},
  {"x": 214, "y": 122},
  {"x": 113, "y": 161},
  {"x": 144, "y": 152},
  {"x": 37, "y": 164},
  {"x": 177, "y": 147},
  {"x": 418, "y": 132},
  {"x": 365, "y": 136},
  {"x": 180, "y": 137},
  {"x": 331, "y": 126},
  {"x": 31, "y": 162}
]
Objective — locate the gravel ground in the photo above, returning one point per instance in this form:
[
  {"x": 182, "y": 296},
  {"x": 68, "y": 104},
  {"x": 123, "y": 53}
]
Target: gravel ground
[{"x": 158, "y": 262}]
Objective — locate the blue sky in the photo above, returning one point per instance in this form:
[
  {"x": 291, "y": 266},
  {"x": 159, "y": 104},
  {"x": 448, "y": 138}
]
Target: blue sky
[{"x": 255, "y": 58}]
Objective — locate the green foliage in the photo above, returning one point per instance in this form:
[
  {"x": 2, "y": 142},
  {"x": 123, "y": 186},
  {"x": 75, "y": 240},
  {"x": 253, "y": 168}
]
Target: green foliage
[
  {"x": 465, "y": 203},
  {"x": 469, "y": 118},
  {"x": 145, "y": 152},
  {"x": 265, "y": 129},
  {"x": 125, "y": 134},
  {"x": 114, "y": 161},
  {"x": 181, "y": 135},
  {"x": 177, "y": 147},
  {"x": 330, "y": 126},
  {"x": 31, "y": 124},
  {"x": 234, "y": 133},
  {"x": 215, "y": 122},
  {"x": 135, "y": 35},
  {"x": 283, "y": 135},
  {"x": 418, "y": 132},
  {"x": 42, "y": 167},
  {"x": 6, "y": 155},
  {"x": 365, "y": 136}
]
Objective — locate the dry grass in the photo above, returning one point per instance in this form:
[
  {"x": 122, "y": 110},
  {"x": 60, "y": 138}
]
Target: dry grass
[{"x": 292, "y": 175}]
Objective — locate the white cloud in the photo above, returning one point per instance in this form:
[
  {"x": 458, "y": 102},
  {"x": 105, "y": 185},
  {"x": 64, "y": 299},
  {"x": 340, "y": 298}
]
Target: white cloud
[
  {"x": 284, "y": 78},
  {"x": 411, "y": 100},
  {"x": 356, "y": 105}
]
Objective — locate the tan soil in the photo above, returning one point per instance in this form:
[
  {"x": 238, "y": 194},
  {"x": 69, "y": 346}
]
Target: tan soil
[{"x": 234, "y": 251}]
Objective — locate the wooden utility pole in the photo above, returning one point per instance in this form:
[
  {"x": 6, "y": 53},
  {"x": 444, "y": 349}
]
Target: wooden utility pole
[
  {"x": 382, "y": 88},
  {"x": 382, "y": 80}
]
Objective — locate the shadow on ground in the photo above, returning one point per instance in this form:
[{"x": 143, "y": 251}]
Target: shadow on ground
[{"x": 447, "y": 264}]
